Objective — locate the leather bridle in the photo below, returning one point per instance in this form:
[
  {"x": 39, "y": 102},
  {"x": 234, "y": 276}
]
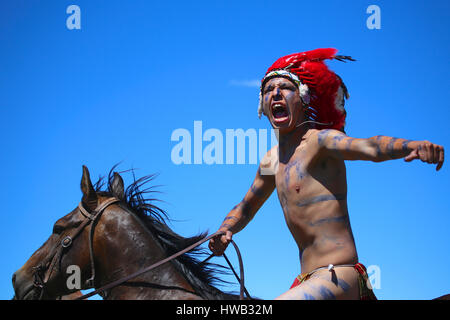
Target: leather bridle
[{"x": 44, "y": 270}]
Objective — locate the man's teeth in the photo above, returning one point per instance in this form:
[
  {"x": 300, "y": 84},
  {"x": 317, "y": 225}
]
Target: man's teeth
[{"x": 279, "y": 110}]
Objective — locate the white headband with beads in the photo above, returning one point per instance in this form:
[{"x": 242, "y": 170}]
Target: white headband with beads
[{"x": 303, "y": 88}]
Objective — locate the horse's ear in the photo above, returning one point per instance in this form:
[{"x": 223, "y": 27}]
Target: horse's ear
[
  {"x": 89, "y": 195},
  {"x": 117, "y": 188}
]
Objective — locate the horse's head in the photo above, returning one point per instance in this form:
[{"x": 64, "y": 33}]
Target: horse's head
[
  {"x": 63, "y": 264},
  {"x": 113, "y": 234}
]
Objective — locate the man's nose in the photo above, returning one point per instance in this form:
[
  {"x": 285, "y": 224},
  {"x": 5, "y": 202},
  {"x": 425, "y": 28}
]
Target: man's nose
[{"x": 277, "y": 94}]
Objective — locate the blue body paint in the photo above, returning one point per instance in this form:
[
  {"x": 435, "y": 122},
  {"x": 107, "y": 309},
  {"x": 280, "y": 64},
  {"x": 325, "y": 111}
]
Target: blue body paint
[
  {"x": 286, "y": 172},
  {"x": 336, "y": 140},
  {"x": 227, "y": 218},
  {"x": 307, "y": 296},
  {"x": 322, "y": 135},
  {"x": 405, "y": 145},
  {"x": 327, "y": 220},
  {"x": 245, "y": 208},
  {"x": 289, "y": 96},
  {"x": 349, "y": 143},
  {"x": 300, "y": 173},
  {"x": 390, "y": 148},
  {"x": 378, "y": 145},
  {"x": 257, "y": 191},
  {"x": 326, "y": 293},
  {"x": 325, "y": 197},
  {"x": 344, "y": 285}
]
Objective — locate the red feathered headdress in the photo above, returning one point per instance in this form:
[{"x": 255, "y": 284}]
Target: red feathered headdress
[{"x": 322, "y": 91}]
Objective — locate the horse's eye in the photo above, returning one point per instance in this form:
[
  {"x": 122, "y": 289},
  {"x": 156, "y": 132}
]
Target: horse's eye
[{"x": 58, "y": 229}]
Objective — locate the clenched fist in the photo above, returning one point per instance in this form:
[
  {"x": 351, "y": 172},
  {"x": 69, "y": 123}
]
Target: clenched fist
[
  {"x": 428, "y": 152},
  {"x": 219, "y": 243}
]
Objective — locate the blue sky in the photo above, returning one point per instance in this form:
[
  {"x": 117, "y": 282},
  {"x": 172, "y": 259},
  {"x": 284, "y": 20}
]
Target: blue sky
[{"x": 115, "y": 90}]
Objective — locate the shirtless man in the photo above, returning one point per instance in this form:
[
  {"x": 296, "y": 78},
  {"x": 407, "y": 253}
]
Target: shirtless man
[{"x": 309, "y": 174}]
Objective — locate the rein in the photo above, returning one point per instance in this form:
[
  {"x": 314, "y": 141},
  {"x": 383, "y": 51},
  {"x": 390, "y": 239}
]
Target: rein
[
  {"x": 157, "y": 264},
  {"x": 54, "y": 258}
]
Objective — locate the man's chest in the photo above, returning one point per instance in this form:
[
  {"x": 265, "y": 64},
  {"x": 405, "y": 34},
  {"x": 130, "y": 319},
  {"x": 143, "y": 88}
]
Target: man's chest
[{"x": 293, "y": 174}]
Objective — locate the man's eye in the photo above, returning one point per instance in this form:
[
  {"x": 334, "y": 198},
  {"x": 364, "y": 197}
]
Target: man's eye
[
  {"x": 288, "y": 88},
  {"x": 267, "y": 90}
]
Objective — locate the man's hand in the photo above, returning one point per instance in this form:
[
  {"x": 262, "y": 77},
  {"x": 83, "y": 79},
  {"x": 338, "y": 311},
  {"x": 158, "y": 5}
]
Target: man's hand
[
  {"x": 219, "y": 243},
  {"x": 428, "y": 152}
]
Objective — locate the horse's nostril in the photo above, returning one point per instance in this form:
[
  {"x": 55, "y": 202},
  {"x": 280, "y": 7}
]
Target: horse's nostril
[{"x": 14, "y": 280}]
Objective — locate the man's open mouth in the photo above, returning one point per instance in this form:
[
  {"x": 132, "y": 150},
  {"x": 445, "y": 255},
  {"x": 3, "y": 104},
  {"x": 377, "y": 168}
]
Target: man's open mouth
[{"x": 279, "y": 113}]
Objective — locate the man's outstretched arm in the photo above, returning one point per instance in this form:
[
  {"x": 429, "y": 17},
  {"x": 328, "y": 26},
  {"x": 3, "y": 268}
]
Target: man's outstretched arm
[{"x": 378, "y": 148}]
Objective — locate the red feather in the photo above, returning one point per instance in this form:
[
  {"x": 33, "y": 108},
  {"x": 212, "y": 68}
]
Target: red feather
[
  {"x": 296, "y": 59},
  {"x": 322, "y": 82}
]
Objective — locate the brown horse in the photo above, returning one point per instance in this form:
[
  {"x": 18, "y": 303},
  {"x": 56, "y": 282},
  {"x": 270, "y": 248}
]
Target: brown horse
[{"x": 128, "y": 234}]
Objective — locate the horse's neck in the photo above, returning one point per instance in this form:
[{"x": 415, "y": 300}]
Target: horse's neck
[{"x": 131, "y": 249}]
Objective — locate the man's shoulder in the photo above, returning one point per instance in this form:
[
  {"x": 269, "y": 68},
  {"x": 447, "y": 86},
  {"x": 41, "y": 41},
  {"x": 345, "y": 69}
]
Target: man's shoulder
[
  {"x": 270, "y": 155},
  {"x": 310, "y": 133},
  {"x": 270, "y": 160},
  {"x": 320, "y": 136},
  {"x": 310, "y": 136}
]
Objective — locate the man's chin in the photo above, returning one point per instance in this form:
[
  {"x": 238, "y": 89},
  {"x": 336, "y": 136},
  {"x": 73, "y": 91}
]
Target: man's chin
[{"x": 282, "y": 124}]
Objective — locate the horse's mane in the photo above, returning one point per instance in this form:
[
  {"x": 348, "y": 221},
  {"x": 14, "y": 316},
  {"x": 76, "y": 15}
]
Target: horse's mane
[{"x": 201, "y": 275}]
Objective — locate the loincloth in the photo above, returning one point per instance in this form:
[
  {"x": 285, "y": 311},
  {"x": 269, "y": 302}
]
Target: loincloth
[{"x": 365, "y": 291}]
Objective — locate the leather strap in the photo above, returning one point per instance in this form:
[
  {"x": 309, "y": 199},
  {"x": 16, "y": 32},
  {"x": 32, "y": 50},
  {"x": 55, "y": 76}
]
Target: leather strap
[
  {"x": 159, "y": 263},
  {"x": 53, "y": 259}
]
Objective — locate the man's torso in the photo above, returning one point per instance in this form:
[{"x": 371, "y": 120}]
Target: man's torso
[{"x": 312, "y": 190}]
